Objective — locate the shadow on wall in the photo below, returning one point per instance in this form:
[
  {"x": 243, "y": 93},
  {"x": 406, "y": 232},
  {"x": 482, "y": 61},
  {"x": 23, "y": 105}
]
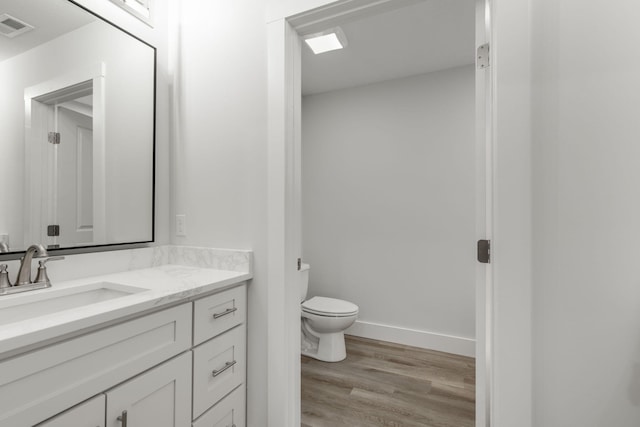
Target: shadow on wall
[
  {"x": 634, "y": 385},
  {"x": 633, "y": 388}
]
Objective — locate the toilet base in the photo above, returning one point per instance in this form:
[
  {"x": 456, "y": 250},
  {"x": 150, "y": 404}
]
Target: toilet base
[{"x": 328, "y": 348}]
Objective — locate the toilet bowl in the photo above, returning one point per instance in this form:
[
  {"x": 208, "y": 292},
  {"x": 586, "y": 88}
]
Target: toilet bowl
[{"x": 324, "y": 321}]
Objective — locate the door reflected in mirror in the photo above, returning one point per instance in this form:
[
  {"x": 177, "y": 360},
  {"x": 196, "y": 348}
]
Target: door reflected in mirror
[
  {"x": 69, "y": 153},
  {"x": 78, "y": 117},
  {"x": 73, "y": 167}
]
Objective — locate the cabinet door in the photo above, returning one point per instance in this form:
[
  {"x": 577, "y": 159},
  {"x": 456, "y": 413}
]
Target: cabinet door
[
  {"x": 87, "y": 414},
  {"x": 230, "y": 412},
  {"x": 160, "y": 397}
]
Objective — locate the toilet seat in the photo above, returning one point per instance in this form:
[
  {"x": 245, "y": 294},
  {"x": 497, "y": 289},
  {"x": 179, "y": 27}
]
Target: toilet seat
[{"x": 330, "y": 307}]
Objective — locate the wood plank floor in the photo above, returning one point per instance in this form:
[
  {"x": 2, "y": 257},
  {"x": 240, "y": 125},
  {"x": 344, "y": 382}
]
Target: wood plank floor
[{"x": 385, "y": 384}]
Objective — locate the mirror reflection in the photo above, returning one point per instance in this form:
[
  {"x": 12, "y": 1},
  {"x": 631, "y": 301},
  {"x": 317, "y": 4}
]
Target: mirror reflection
[{"x": 77, "y": 119}]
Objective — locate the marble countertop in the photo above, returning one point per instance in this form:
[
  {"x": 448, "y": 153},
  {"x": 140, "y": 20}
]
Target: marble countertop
[{"x": 159, "y": 286}]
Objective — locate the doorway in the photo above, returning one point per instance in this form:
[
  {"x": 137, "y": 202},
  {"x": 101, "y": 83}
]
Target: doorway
[
  {"x": 65, "y": 159},
  {"x": 285, "y": 201}
]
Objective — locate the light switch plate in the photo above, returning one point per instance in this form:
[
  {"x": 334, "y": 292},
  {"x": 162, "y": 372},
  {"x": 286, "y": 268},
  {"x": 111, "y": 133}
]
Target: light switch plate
[{"x": 181, "y": 225}]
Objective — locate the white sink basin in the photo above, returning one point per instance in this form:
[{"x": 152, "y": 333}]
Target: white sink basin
[{"x": 41, "y": 303}]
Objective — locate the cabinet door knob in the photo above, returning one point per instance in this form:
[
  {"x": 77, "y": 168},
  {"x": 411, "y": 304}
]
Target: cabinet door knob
[
  {"x": 224, "y": 313},
  {"x": 123, "y": 418}
]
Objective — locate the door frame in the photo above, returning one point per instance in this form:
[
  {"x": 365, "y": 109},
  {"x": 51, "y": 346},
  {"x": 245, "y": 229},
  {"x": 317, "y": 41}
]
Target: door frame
[
  {"x": 284, "y": 202},
  {"x": 484, "y": 218},
  {"x": 39, "y": 102}
]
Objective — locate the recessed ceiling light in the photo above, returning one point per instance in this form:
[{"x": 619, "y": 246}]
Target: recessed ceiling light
[{"x": 326, "y": 41}]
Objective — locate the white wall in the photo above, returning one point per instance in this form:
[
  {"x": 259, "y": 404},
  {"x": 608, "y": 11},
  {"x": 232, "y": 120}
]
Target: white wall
[
  {"x": 586, "y": 133},
  {"x": 388, "y": 200},
  {"x": 219, "y": 158}
]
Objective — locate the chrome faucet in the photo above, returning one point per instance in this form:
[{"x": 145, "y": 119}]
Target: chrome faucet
[
  {"x": 24, "y": 273},
  {"x": 23, "y": 281}
]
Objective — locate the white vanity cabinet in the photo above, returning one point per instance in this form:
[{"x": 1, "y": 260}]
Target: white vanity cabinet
[
  {"x": 153, "y": 370},
  {"x": 87, "y": 414}
]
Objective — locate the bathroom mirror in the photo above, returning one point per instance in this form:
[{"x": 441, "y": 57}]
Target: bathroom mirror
[{"x": 77, "y": 119}]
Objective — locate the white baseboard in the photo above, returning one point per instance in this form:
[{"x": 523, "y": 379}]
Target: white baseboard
[{"x": 415, "y": 338}]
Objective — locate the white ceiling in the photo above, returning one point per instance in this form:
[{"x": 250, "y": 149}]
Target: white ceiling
[
  {"x": 428, "y": 36},
  {"x": 51, "y": 19}
]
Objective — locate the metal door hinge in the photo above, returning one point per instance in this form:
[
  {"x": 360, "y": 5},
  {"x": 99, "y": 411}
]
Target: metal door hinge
[
  {"x": 53, "y": 230},
  {"x": 482, "y": 57},
  {"x": 54, "y": 137},
  {"x": 484, "y": 251}
]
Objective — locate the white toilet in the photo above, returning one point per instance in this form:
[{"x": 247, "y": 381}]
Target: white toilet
[{"x": 324, "y": 321}]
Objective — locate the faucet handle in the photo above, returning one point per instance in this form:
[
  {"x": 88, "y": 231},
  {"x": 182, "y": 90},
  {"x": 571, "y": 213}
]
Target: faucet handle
[
  {"x": 53, "y": 258},
  {"x": 4, "y": 277},
  {"x": 42, "y": 276}
]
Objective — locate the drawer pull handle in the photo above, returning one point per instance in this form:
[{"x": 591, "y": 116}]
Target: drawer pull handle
[
  {"x": 224, "y": 313},
  {"x": 221, "y": 370},
  {"x": 123, "y": 418}
]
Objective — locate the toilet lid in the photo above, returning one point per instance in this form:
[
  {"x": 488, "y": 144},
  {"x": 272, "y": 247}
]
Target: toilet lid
[{"x": 322, "y": 305}]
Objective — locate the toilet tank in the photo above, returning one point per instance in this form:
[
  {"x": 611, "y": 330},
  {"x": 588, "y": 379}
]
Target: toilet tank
[{"x": 304, "y": 281}]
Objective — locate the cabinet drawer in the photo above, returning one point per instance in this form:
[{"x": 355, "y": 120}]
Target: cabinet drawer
[
  {"x": 229, "y": 412},
  {"x": 87, "y": 414},
  {"x": 219, "y": 366},
  {"x": 218, "y": 313},
  {"x": 45, "y": 382}
]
